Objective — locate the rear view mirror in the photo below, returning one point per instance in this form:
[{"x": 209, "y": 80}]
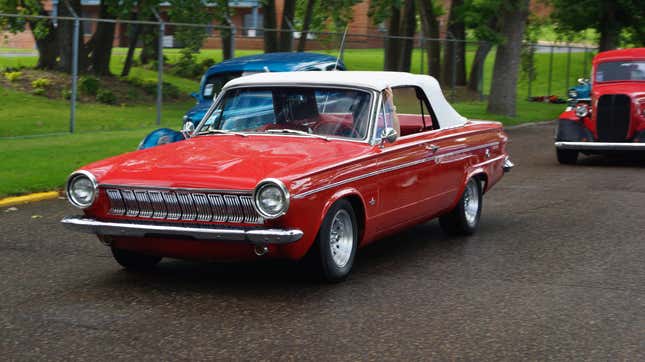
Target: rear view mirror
[{"x": 188, "y": 129}]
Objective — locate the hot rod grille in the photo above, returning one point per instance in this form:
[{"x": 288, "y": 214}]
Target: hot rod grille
[
  {"x": 182, "y": 205},
  {"x": 613, "y": 117}
]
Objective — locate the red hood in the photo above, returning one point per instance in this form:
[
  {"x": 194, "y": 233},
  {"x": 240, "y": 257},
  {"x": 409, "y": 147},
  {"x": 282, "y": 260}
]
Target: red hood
[
  {"x": 633, "y": 89},
  {"x": 224, "y": 161}
]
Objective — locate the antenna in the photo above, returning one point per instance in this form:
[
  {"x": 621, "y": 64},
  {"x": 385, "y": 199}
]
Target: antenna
[{"x": 342, "y": 48}]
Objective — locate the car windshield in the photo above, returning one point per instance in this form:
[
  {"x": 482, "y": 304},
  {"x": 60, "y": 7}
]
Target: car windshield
[
  {"x": 621, "y": 71},
  {"x": 216, "y": 82},
  {"x": 305, "y": 111}
]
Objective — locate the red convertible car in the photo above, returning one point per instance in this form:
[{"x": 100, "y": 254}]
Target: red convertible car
[
  {"x": 613, "y": 120},
  {"x": 288, "y": 165}
]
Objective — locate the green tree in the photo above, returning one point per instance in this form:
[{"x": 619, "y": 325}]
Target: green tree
[{"x": 612, "y": 19}]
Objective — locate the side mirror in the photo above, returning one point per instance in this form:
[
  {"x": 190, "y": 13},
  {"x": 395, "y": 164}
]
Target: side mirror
[
  {"x": 389, "y": 134},
  {"x": 188, "y": 129}
]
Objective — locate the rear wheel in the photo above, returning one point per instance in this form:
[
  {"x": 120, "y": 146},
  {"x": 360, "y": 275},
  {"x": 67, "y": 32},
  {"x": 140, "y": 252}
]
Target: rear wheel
[
  {"x": 336, "y": 244},
  {"x": 464, "y": 218},
  {"x": 567, "y": 157},
  {"x": 134, "y": 261}
]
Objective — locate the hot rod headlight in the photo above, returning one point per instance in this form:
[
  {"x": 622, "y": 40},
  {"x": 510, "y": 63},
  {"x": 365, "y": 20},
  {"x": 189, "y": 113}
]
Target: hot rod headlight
[
  {"x": 81, "y": 189},
  {"x": 582, "y": 110},
  {"x": 271, "y": 198}
]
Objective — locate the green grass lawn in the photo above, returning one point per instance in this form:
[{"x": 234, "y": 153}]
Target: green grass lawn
[{"x": 43, "y": 163}]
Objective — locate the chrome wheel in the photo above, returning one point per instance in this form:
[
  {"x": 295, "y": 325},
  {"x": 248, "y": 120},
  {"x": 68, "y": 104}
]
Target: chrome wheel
[
  {"x": 471, "y": 202},
  {"x": 341, "y": 238}
]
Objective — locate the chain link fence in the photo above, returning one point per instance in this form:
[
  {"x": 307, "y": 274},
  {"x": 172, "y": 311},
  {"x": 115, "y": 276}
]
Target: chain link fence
[{"x": 152, "y": 69}]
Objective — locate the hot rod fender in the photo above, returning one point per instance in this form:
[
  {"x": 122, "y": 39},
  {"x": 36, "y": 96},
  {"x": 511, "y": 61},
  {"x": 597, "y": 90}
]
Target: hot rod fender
[{"x": 572, "y": 131}]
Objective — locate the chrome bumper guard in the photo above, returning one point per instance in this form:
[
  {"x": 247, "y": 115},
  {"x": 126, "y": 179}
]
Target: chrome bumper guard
[
  {"x": 508, "y": 165},
  {"x": 601, "y": 146},
  {"x": 251, "y": 236}
]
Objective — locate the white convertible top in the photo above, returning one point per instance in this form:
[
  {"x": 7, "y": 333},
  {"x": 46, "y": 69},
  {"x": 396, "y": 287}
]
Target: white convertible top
[{"x": 378, "y": 81}]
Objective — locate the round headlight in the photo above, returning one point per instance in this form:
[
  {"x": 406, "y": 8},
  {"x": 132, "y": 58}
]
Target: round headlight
[
  {"x": 582, "y": 110},
  {"x": 271, "y": 198},
  {"x": 81, "y": 189},
  {"x": 573, "y": 94}
]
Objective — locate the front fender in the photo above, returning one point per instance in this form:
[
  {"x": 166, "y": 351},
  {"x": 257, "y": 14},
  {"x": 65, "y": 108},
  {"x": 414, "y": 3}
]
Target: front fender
[{"x": 159, "y": 137}]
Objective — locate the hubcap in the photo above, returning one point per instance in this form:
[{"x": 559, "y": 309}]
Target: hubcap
[
  {"x": 471, "y": 202},
  {"x": 341, "y": 238}
]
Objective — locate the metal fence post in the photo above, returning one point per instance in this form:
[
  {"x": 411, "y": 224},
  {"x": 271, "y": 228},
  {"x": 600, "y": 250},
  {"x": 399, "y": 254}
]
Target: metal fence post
[
  {"x": 531, "y": 65},
  {"x": 453, "y": 70},
  {"x": 421, "y": 44},
  {"x": 568, "y": 72},
  {"x": 548, "y": 89},
  {"x": 72, "y": 115},
  {"x": 77, "y": 25},
  {"x": 162, "y": 30}
]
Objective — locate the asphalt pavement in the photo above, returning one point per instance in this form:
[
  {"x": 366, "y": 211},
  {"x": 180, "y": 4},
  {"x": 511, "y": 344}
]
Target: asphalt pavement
[{"x": 556, "y": 271}]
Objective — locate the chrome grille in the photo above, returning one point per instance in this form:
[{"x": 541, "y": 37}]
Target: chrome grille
[{"x": 182, "y": 205}]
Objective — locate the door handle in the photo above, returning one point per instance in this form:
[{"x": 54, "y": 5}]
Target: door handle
[{"x": 431, "y": 147}]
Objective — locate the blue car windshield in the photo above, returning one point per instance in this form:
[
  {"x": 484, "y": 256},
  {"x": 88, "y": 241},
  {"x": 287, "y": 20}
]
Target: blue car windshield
[
  {"x": 292, "y": 110},
  {"x": 621, "y": 71}
]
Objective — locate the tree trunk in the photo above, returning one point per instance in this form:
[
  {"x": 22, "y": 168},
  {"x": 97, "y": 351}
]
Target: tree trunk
[
  {"x": 430, "y": 26},
  {"x": 286, "y": 34},
  {"x": 270, "y": 36},
  {"x": 478, "y": 63},
  {"x": 507, "y": 60},
  {"x": 408, "y": 27},
  {"x": 133, "y": 39},
  {"x": 227, "y": 36},
  {"x": 100, "y": 45},
  {"x": 455, "y": 51},
  {"x": 64, "y": 37},
  {"x": 392, "y": 45},
  {"x": 150, "y": 49},
  {"x": 608, "y": 30},
  {"x": 306, "y": 22},
  {"x": 47, "y": 44}
]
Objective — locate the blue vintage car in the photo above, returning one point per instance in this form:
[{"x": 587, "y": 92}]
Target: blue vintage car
[
  {"x": 219, "y": 74},
  {"x": 580, "y": 93}
]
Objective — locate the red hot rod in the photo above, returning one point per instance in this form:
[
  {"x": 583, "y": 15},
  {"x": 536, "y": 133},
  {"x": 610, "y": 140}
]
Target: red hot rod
[
  {"x": 286, "y": 164},
  {"x": 613, "y": 120}
]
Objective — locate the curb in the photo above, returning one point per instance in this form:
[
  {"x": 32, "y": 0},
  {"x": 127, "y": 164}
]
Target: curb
[{"x": 39, "y": 196}]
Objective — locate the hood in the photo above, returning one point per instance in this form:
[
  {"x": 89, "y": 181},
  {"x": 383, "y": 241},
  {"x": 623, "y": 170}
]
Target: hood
[
  {"x": 225, "y": 162},
  {"x": 631, "y": 88}
]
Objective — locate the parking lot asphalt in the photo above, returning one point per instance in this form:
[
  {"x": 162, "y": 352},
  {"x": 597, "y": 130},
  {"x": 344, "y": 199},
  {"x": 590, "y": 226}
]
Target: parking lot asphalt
[{"x": 556, "y": 271}]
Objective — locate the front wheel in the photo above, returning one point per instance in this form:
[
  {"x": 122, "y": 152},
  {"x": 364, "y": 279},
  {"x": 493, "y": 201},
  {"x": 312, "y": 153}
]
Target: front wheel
[
  {"x": 567, "y": 157},
  {"x": 134, "y": 261},
  {"x": 464, "y": 218},
  {"x": 336, "y": 244}
]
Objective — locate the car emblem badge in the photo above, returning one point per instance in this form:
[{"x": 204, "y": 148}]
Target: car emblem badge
[
  {"x": 372, "y": 201},
  {"x": 487, "y": 153}
]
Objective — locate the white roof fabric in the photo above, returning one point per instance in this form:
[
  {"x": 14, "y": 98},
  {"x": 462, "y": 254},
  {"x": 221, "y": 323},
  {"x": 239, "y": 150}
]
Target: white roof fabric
[{"x": 378, "y": 81}]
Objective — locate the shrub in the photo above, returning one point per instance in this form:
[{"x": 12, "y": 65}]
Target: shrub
[
  {"x": 67, "y": 94},
  {"x": 150, "y": 87},
  {"x": 89, "y": 85},
  {"x": 207, "y": 63},
  {"x": 186, "y": 66},
  {"x": 105, "y": 96},
  {"x": 41, "y": 83},
  {"x": 39, "y": 91},
  {"x": 13, "y": 76}
]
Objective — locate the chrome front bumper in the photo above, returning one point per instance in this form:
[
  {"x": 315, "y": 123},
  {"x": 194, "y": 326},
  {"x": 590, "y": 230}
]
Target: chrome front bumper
[
  {"x": 254, "y": 236},
  {"x": 508, "y": 165},
  {"x": 601, "y": 146}
]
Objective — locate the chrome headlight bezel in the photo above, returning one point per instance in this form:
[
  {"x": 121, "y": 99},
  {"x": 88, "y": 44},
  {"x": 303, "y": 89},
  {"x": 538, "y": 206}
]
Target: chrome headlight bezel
[
  {"x": 70, "y": 195},
  {"x": 582, "y": 110},
  {"x": 257, "y": 193}
]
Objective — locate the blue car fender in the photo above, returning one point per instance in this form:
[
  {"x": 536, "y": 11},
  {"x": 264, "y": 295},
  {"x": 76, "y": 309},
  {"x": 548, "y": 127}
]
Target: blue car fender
[{"x": 159, "y": 137}]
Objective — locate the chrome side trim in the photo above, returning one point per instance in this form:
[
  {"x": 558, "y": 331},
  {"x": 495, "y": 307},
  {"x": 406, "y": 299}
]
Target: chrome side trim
[
  {"x": 176, "y": 189},
  {"x": 601, "y": 146},
  {"x": 393, "y": 168},
  {"x": 251, "y": 236}
]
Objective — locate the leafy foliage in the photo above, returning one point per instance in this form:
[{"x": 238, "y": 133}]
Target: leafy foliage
[
  {"x": 13, "y": 76},
  {"x": 89, "y": 85},
  {"x": 106, "y": 96},
  {"x": 41, "y": 83},
  {"x": 328, "y": 15}
]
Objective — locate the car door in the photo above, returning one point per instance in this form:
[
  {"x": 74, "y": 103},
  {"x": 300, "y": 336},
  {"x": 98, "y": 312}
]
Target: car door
[{"x": 407, "y": 186}]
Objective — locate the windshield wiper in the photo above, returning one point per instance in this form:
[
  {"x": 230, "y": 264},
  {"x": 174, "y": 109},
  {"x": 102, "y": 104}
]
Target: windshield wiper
[
  {"x": 223, "y": 131},
  {"x": 295, "y": 131}
]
